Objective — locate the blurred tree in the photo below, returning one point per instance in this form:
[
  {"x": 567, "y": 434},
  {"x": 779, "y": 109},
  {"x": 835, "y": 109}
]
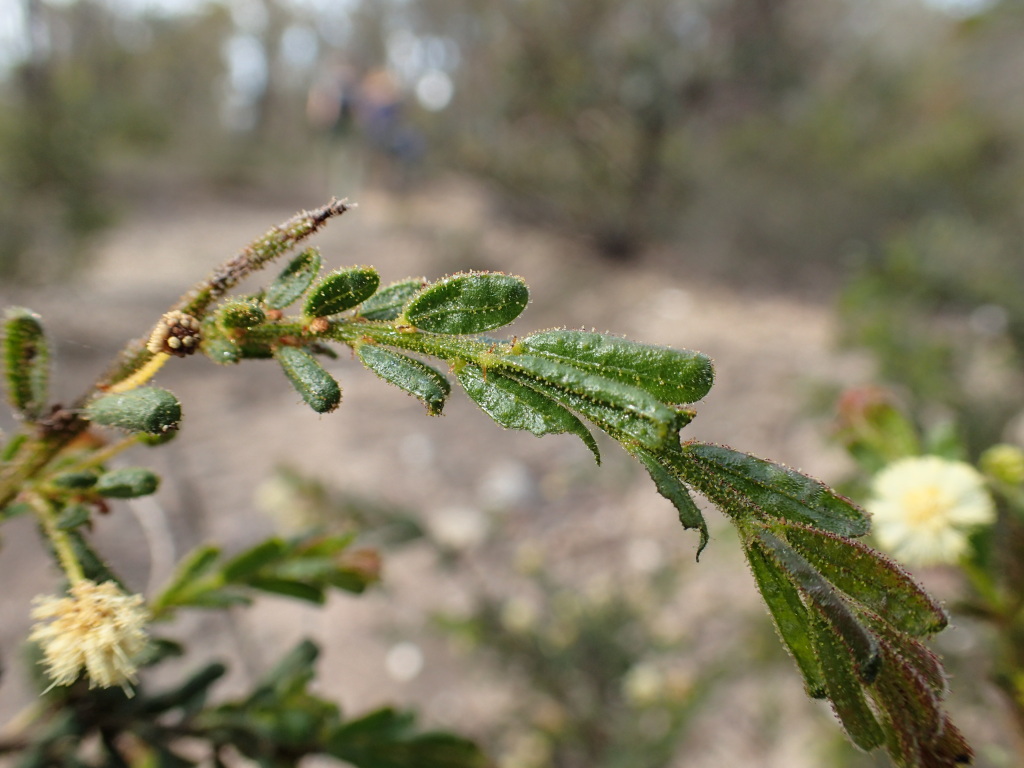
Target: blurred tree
[
  {"x": 938, "y": 294},
  {"x": 93, "y": 86},
  {"x": 593, "y": 114},
  {"x": 48, "y": 164}
]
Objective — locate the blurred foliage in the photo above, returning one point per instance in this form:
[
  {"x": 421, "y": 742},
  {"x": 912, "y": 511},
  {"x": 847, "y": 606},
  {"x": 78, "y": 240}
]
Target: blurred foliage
[
  {"x": 606, "y": 136},
  {"x": 598, "y": 680},
  {"x": 951, "y": 336},
  {"x": 985, "y": 584},
  {"x": 92, "y": 86},
  {"x": 774, "y": 134}
]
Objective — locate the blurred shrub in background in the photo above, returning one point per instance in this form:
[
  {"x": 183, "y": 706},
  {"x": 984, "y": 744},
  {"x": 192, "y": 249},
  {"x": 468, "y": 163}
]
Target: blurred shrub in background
[{"x": 941, "y": 309}]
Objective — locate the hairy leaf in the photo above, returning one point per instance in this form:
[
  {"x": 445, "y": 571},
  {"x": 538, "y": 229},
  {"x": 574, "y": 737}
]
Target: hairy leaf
[
  {"x": 673, "y": 489},
  {"x": 949, "y": 750},
  {"x": 471, "y": 302},
  {"x": 619, "y": 408},
  {"x": 75, "y": 481},
  {"x": 845, "y": 690},
  {"x": 341, "y": 290},
  {"x": 294, "y": 280},
  {"x": 26, "y": 359},
  {"x": 913, "y": 652},
  {"x": 823, "y": 598},
  {"x": 93, "y": 566},
  {"x": 791, "y": 617},
  {"x": 388, "y": 302},
  {"x": 913, "y": 713},
  {"x": 239, "y": 315},
  {"x": 671, "y": 375},
  {"x": 406, "y": 373},
  {"x": 127, "y": 483},
  {"x": 145, "y": 409},
  {"x": 744, "y": 486},
  {"x": 318, "y": 388},
  {"x": 222, "y": 351},
  {"x": 518, "y": 406},
  {"x": 869, "y": 578},
  {"x": 73, "y": 516}
]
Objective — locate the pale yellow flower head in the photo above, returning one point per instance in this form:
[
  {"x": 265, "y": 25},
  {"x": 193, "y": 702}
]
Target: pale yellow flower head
[
  {"x": 924, "y": 507},
  {"x": 98, "y": 628}
]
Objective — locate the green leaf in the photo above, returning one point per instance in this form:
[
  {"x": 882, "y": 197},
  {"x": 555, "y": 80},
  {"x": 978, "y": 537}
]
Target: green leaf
[
  {"x": 294, "y": 280},
  {"x": 869, "y": 578},
  {"x": 288, "y": 587},
  {"x": 92, "y": 564},
  {"x": 146, "y": 409},
  {"x": 925, "y": 663},
  {"x": 517, "y": 406},
  {"x": 73, "y": 516},
  {"x": 673, "y": 489},
  {"x": 318, "y": 388},
  {"x": 823, "y": 598},
  {"x": 388, "y": 302},
  {"x": 351, "y": 580},
  {"x": 790, "y": 615},
  {"x": 159, "y": 650},
  {"x": 10, "y": 450},
  {"x": 197, "y": 563},
  {"x": 240, "y": 315},
  {"x": 195, "y": 566},
  {"x": 248, "y": 563},
  {"x": 127, "y": 483},
  {"x": 291, "y": 674},
  {"x": 341, "y": 290},
  {"x": 845, "y": 690},
  {"x": 190, "y": 695},
  {"x": 215, "y": 599},
  {"x": 912, "y": 711},
  {"x": 470, "y": 302},
  {"x": 165, "y": 758},
  {"x": 385, "y": 739},
  {"x": 26, "y": 356},
  {"x": 671, "y": 375},
  {"x": 745, "y": 486},
  {"x": 221, "y": 351},
  {"x": 950, "y": 748},
  {"x": 618, "y": 408},
  {"x": 75, "y": 481},
  {"x": 416, "y": 378}
]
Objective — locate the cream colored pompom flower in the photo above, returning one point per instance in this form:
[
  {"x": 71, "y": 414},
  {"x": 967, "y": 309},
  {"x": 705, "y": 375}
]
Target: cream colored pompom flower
[
  {"x": 98, "y": 628},
  {"x": 924, "y": 507}
]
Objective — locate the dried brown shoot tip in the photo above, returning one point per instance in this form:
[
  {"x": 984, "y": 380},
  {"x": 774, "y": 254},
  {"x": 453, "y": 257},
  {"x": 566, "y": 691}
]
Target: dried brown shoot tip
[
  {"x": 271, "y": 245},
  {"x": 176, "y": 334}
]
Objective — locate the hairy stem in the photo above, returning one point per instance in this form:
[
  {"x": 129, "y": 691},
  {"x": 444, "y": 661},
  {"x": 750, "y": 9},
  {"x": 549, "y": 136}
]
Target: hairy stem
[
  {"x": 58, "y": 538},
  {"x": 39, "y": 450},
  {"x": 196, "y": 302}
]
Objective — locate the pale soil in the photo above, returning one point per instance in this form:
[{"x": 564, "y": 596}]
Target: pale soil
[{"x": 769, "y": 351}]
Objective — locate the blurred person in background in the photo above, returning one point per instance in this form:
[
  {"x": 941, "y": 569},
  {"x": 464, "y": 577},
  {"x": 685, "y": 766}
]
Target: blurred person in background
[{"x": 370, "y": 140}]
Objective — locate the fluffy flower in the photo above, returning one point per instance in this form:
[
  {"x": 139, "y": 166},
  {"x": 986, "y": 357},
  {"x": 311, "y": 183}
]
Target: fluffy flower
[
  {"x": 644, "y": 684},
  {"x": 925, "y": 506},
  {"x": 98, "y": 628}
]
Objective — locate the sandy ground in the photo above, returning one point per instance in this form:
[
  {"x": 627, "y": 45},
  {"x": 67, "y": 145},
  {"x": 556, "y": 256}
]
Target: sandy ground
[{"x": 770, "y": 352}]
